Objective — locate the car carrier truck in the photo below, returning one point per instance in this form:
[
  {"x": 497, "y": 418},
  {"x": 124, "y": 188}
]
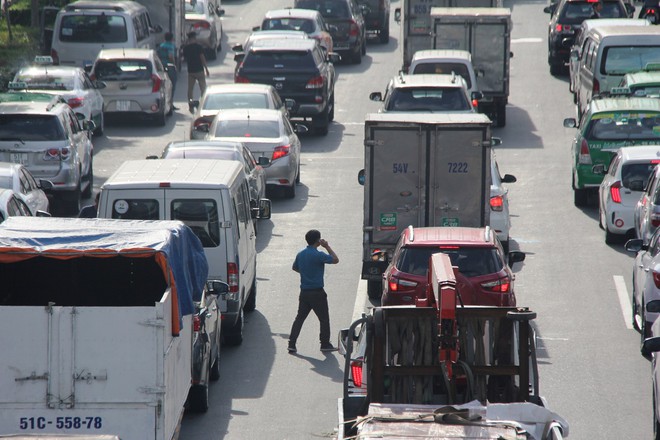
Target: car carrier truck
[
  {"x": 421, "y": 170},
  {"x": 96, "y": 326},
  {"x": 441, "y": 370}
]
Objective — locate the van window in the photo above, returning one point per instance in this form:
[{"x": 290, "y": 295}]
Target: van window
[
  {"x": 200, "y": 215},
  {"x": 86, "y": 28},
  {"x": 620, "y": 60},
  {"x": 444, "y": 68},
  {"x": 124, "y": 70},
  {"x": 136, "y": 209}
]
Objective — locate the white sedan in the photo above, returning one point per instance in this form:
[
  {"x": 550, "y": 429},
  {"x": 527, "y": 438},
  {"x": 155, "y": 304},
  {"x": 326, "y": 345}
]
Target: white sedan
[
  {"x": 646, "y": 281},
  {"x": 17, "y": 178},
  {"x": 71, "y": 83},
  {"x": 12, "y": 205},
  {"x": 499, "y": 204}
]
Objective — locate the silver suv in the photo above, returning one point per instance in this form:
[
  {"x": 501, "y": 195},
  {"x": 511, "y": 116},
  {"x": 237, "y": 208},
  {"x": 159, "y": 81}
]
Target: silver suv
[{"x": 52, "y": 143}]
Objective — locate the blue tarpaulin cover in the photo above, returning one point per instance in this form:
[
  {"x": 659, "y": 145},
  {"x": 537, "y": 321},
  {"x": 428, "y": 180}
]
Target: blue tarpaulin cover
[{"x": 174, "y": 246}]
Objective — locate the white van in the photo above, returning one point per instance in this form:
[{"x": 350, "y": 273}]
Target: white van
[
  {"x": 85, "y": 27},
  {"x": 610, "y": 52},
  {"x": 212, "y": 197}
]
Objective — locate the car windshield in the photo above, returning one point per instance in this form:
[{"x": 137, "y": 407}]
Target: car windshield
[
  {"x": 471, "y": 261},
  {"x": 288, "y": 24},
  {"x": 624, "y": 126},
  {"x": 624, "y": 59},
  {"x": 444, "y": 68},
  {"x": 123, "y": 70},
  {"x": 279, "y": 60},
  {"x": 221, "y": 101},
  {"x": 22, "y": 127},
  {"x": 247, "y": 128},
  {"x": 637, "y": 174},
  {"x": 196, "y": 153},
  {"x": 427, "y": 99},
  {"x": 327, "y": 8},
  {"x": 46, "y": 82},
  {"x": 577, "y": 12},
  {"x": 93, "y": 28},
  {"x": 195, "y": 7}
]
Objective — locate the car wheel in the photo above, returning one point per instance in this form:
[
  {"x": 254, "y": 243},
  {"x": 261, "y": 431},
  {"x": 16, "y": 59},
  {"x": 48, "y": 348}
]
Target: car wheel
[
  {"x": 211, "y": 54},
  {"x": 198, "y": 398},
  {"x": 580, "y": 197},
  {"x": 374, "y": 289},
  {"x": 214, "y": 371},
  {"x": 90, "y": 179},
  {"x": 357, "y": 56},
  {"x": 610, "y": 238},
  {"x": 331, "y": 104},
  {"x": 251, "y": 302},
  {"x": 364, "y": 47},
  {"x": 556, "y": 69},
  {"x": 100, "y": 128},
  {"x": 70, "y": 201},
  {"x": 298, "y": 175},
  {"x": 290, "y": 191},
  {"x": 234, "y": 335},
  {"x": 635, "y": 311},
  {"x": 385, "y": 36},
  {"x": 159, "y": 119},
  {"x": 321, "y": 122}
]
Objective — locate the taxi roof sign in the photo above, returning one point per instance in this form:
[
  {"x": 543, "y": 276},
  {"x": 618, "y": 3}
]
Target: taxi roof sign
[
  {"x": 652, "y": 67},
  {"x": 43, "y": 60},
  {"x": 620, "y": 91}
]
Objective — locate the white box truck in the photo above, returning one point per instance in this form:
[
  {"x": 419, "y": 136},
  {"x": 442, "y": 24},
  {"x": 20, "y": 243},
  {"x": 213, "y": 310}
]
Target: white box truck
[
  {"x": 421, "y": 170},
  {"x": 96, "y": 326}
]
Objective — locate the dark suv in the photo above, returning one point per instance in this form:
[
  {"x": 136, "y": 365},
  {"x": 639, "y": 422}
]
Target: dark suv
[
  {"x": 565, "y": 20},
  {"x": 483, "y": 276},
  {"x": 347, "y": 25},
  {"x": 377, "y": 18},
  {"x": 298, "y": 69}
]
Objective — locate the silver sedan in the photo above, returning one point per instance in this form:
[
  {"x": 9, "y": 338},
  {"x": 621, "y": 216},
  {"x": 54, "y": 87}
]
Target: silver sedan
[
  {"x": 267, "y": 133},
  {"x": 17, "y": 178}
]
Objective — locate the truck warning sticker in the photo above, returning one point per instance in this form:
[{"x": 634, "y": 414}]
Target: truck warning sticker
[{"x": 388, "y": 221}]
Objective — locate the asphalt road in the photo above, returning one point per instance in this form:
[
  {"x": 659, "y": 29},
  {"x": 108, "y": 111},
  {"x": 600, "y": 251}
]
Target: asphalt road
[{"x": 590, "y": 367}]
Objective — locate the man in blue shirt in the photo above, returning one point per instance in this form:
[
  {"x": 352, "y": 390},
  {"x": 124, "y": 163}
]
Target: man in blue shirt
[{"x": 310, "y": 264}]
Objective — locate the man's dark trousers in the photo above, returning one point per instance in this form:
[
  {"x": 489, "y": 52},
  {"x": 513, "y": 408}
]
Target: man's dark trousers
[{"x": 316, "y": 300}]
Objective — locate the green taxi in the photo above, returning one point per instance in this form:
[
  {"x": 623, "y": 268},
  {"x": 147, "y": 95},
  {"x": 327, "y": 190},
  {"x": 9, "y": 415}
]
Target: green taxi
[
  {"x": 607, "y": 124},
  {"x": 643, "y": 83}
]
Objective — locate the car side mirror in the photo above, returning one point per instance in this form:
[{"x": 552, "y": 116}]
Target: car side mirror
[
  {"x": 45, "y": 185},
  {"x": 239, "y": 56},
  {"x": 41, "y": 213},
  {"x": 100, "y": 85},
  {"x": 214, "y": 287},
  {"x": 376, "y": 96},
  {"x": 237, "y": 48},
  {"x": 333, "y": 57},
  {"x": 263, "y": 161},
  {"x": 509, "y": 178},
  {"x": 515, "y": 257},
  {"x": 300, "y": 129},
  {"x": 203, "y": 127},
  {"x": 289, "y": 104},
  {"x": 265, "y": 208},
  {"x": 635, "y": 245},
  {"x": 256, "y": 28},
  {"x": 151, "y": 157},
  {"x": 650, "y": 345},
  {"x": 89, "y": 125},
  {"x": 397, "y": 15},
  {"x": 477, "y": 95},
  {"x": 219, "y": 11},
  {"x": 362, "y": 177},
  {"x": 88, "y": 67},
  {"x": 495, "y": 141},
  {"x": 570, "y": 123},
  {"x": 599, "y": 169},
  {"x": 653, "y": 306}
]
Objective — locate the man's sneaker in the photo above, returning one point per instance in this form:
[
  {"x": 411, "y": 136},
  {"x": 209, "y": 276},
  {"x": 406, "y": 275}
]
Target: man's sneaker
[
  {"x": 292, "y": 349},
  {"x": 328, "y": 347}
]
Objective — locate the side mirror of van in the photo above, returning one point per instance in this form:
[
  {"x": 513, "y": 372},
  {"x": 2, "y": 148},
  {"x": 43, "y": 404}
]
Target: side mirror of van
[
  {"x": 333, "y": 57},
  {"x": 89, "y": 125},
  {"x": 570, "y": 123},
  {"x": 216, "y": 287},
  {"x": 265, "y": 208},
  {"x": 477, "y": 96},
  {"x": 397, "y": 15},
  {"x": 194, "y": 104},
  {"x": 219, "y": 12},
  {"x": 88, "y": 67},
  {"x": 290, "y": 104}
]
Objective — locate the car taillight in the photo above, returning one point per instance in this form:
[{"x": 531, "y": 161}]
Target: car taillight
[
  {"x": 197, "y": 323},
  {"x": 200, "y": 121},
  {"x": 75, "y": 102},
  {"x": 232, "y": 277},
  {"x": 201, "y": 25},
  {"x": 241, "y": 79},
  {"x": 65, "y": 153},
  {"x": 656, "y": 278},
  {"x": 475, "y": 103},
  {"x": 501, "y": 286},
  {"x": 281, "y": 151},
  {"x": 396, "y": 283},
  {"x": 596, "y": 87},
  {"x": 655, "y": 220},
  {"x": 355, "y": 30},
  {"x": 497, "y": 203},
  {"x": 156, "y": 81},
  {"x": 315, "y": 83},
  {"x": 356, "y": 372},
  {"x": 584, "y": 158},
  {"x": 615, "y": 192},
  {"x": 55, "y": 56},
  {"x": 52, "y": 154}
]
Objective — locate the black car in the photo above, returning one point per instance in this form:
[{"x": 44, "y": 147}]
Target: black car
[
  {"x": 566, "y": 18},
  {"x": 377, "y": 18},
  {"x": 346, "y": 23},
  {"x": 206, "y": 344},
  {"x": 300, "y": 70}
]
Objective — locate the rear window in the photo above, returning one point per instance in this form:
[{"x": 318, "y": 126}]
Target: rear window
[
  {"x": 136, "y": 209},
  {"x": 288, "y": 24},
  {"x": 244, "y": 128},
  {"x": 279, "y": 60},
  {"x": 327, "y": 8},
  {"x": 46, "y": 82},
  {"x": 637, "y": 174},
  {"x": 200, "y": 215},
  {"x": 22, "y": 127},
  {"x": 428, "y": 99},
  {"x": 444, "y": 68},
  {"x": 624, "y": 126},
  {"x": 471, "y": 261},
  {"x": 195, "y": 7},
  {"x": 123, "y": 70},
  {"x": 223, "y": 101},
  {"x": 577, "y": 12},
  {"x": 87, "y": 28},
  {"x": 619, "y": 60},
  {"x": 650, "y": 91}
]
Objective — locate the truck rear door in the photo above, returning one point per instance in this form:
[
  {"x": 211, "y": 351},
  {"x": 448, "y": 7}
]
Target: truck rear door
[{"x": 396, "y": 181}]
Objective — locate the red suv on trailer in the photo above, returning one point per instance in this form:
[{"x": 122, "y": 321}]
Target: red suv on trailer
[{"x": 483, "y": 276}]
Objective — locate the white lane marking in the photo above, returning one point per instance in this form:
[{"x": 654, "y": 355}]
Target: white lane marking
[
  {"x": 551, "y": 339},
  {"x": 526, "y": 40},
  {"x": 624, "y": 300},
  {"x": 360, "y": 300}
]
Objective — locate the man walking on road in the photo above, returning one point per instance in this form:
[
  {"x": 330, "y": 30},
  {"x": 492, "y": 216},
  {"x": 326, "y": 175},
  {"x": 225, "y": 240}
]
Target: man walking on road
[
  {"x": 310, "y": 264},
  {"x": 193, "y": 53}
]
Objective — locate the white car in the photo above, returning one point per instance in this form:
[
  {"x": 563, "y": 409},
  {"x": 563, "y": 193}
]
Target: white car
[
  {"x": 622, "y": 186},
  {"x": 71, "y": 83},
  {"x": 500, "y": 221},
  {"x": 11, "y": 205},
  {"x": 646, "y": 272},
  {"x": 17, "y": 178}
]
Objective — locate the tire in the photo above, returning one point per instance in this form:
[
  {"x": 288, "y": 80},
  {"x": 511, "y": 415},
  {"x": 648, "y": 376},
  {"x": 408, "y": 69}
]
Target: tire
[
  {"x": 384, "y": 36},
  {"x": 580, "y": 197},
  {"x": 356, "y": 58},
  {"x": 374, "y": 289},
  {"x": 71, "y": 201},
  {"x": 211, "y": 54},
  {"x": 90, "y": 178},
  {"x": 321, "y": 122},
  {"x": 556, "y": 69},
  {"x": 500, "y": 109},
  {"x": 610, "y": 238},
  {"x": 198, "y": 398},
  {"x": 159, "y": 119},
  {"x": 251, "y": 302},
  {"x": 234, "y": 335},
  {"x": 298, "y": 175},
  {"x": 289, "y": 191},
  {"x": 635, "y": 312},
  {"x": 214, "y": 371},
  {"x": 331, "y": 104},
  {"x": 101, "y": 127},
  {"x": 171, "y": 110}
]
